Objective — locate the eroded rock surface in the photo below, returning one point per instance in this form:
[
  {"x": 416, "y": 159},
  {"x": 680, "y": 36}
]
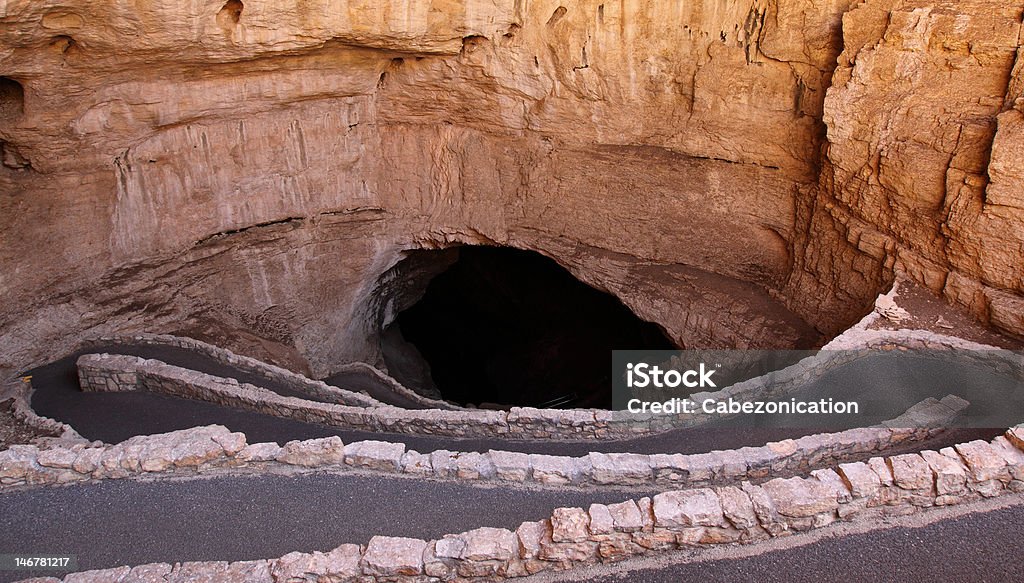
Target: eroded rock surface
[{"x": 743, "y": 173}]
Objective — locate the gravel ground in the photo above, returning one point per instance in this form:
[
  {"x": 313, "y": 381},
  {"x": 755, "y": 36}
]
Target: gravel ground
[{"x": 13, "y": 430}]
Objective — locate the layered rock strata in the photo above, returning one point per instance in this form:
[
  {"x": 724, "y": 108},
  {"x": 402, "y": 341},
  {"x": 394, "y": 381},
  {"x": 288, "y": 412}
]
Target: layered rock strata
[{"x": 742, "y": 173}]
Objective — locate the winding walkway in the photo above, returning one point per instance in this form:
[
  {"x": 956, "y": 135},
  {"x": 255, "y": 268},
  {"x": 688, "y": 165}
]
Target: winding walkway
[
  {"x": 114, "y": 417},
  {"x": 229, "y": 518},
  {"x": 241, "y": 518}
]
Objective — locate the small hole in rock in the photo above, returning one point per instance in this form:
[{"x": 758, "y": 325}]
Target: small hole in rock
[
  {"x": 12, "y": 100},
  {"x": 10, "y": 157},
  {"x": 513, "y": 29},
  {"x": 471, "y": 42},
  {"x": 230, "y": 14},
  {"x": 557, "y": 15},
  {"x": 64, "y": 44}
]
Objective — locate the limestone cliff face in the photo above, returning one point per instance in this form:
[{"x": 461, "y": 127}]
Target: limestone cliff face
[
  {"x": 923, "y": 162},
  {"x": 265, "y": 164}
]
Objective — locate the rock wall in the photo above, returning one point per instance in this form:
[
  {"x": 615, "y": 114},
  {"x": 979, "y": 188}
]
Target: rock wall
[
  {"x": 920, "y": 157},
  {"x": 261, "y": 165}
]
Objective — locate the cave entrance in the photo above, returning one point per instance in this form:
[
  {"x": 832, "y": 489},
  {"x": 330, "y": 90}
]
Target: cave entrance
[
  {"x": 498, "y": 327},
  {"x": 12, "y": 100}
]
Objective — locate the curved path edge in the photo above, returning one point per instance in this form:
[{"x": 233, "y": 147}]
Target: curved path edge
[
  {"x": 678, "y": 519},
  {"x": 203, "y": 449}
]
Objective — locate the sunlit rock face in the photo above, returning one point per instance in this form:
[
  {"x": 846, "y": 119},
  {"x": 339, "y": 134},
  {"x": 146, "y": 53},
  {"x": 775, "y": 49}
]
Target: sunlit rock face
[{"x": 742, "y": 173}]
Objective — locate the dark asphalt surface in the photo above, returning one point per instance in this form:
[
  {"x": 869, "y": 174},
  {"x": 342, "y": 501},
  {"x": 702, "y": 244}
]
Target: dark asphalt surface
[
  {"x": 121, "y": 522},
  {"x": 977, "y": 548},
  {"x": 237, "y": 518},
  {"x": 114, "y": 417},
  {"x": 243, "y": 517},
  {"x": 358, "y": 381}
]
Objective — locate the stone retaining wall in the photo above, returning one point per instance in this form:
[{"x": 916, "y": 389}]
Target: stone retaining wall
[
  {"x": 13, "y": 387},
  {"x": 678, "y": 519},
  {"x": 213, "y": 447},
  {"x": 103, "y": 372},
  {"x": 318, "y": 390}
]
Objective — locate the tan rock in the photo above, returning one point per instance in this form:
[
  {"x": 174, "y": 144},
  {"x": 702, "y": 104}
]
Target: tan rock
[
  {"x": 416, "y": 463},
  {"x": 662, "y": 539},
  {"x": 551, "y": 469},
  {"x": 687, "y": 508},
  {"x": 57, "y": 457},
  {"x": 626, "y": 516},
  {"x": 200, "y": 572},
  {"x": 569, "y": 525},
  {"x": 881, "y": 470},
  {"x": 313, "y": 452},
  {"x": 259, "y": 452},
  {"x": 246, "y": 572},
  {"x": 737, "y": 507},
  {"x": 1013, "y": 457},
  {"x": 861, "y": 479},
  {"x": 88, "y": 460},
  {"x": 510, "y": 466},
  {"x": 749, "y": 133},
  {"x": 983, "y": 461},
  {"x": 834, "y": 482},
  {"x": 232, "y": 443},
  {"x": 806, "y": 162},
  {"x": 338, "y": 564},
  {"x": 531, "y": 537},
  {"x": 384, "y": 456},
  {"x": 489, "y": 544},
  {"x": 617, "y": 548},
  {"x": 442, "y": 463},
  {"x": 568, "y": 552},
  {"x": 390, "y": 556},
  {"x": 950, "y": 473},
  {"x": 800, "y": 497},
  {"x": 620, "y": 468},
  {"x": 911, "y": 472},
  {"x": 601, "y": 521},
  {"x": 17, "y": 461},
  {"x": 670, "y": 468},
  {"x": 473, "y": 466}
]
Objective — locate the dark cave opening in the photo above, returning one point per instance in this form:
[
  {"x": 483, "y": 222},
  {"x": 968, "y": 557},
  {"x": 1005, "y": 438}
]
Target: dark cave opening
[
  {"x": 12, "y": 100},
  {"x": 504, "y": 327}
]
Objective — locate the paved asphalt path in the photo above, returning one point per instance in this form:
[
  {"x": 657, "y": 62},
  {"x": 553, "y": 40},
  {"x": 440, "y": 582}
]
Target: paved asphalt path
[
  {"x": 976, "y": 548},
  {"x": 114, "y": 417},
  {"x": 238, "y": 518},
  {"x": 119, "y": 522},
  {"x": 235, "y": 518}
]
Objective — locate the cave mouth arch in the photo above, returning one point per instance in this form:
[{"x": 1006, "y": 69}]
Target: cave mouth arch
[{"x": 498, "y": 327}]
